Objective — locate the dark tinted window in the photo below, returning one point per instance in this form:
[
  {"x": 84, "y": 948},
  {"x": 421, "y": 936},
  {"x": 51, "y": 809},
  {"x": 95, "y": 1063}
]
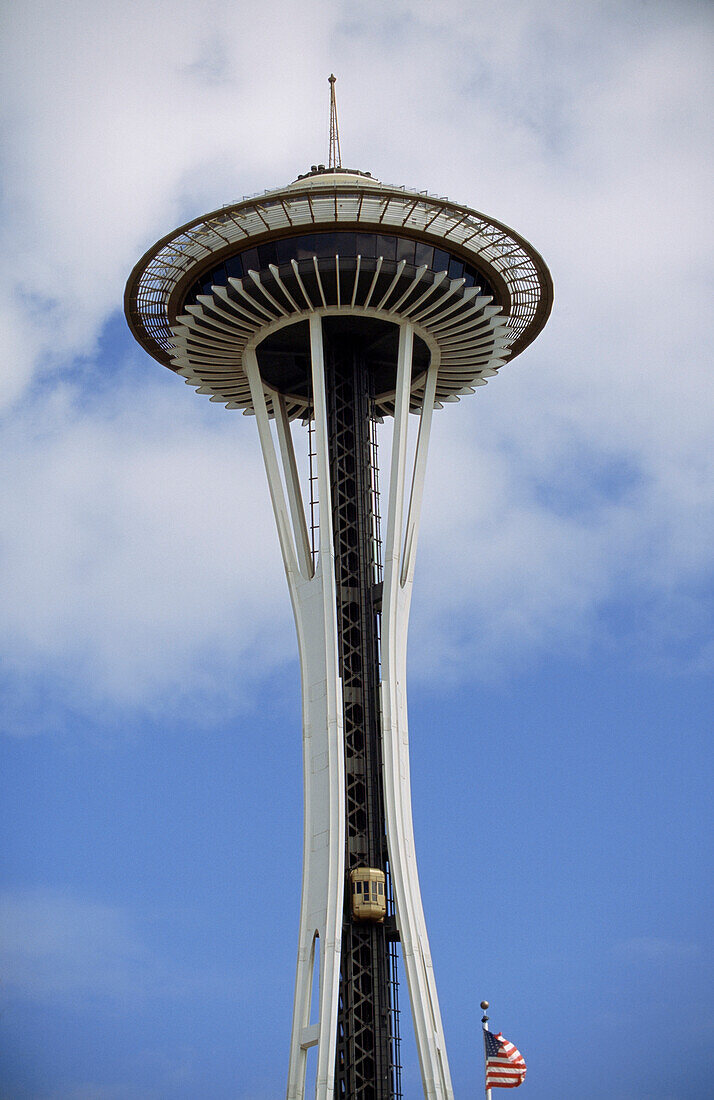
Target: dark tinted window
[
  {"x": 347, "y": 243},
  {"x": 405, "y": 250},
  {"x": 304, "y": 246},
  {"x": 423, "y": 254},
  {"x": 250, "y": 260},
  {"x": 234, "y": 267},
  {"x": 366, "y": 244},
  {"x": 285, "y": 251},
  {"x": 343, "y": 243},
  {"x": 325, "y": 245},
  {"x": 267, "y": 254},
  {"x": 386, "y": 246}
]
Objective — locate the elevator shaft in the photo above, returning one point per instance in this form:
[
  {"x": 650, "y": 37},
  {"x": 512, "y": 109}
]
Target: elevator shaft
[{"x": 364, "y": 1052}]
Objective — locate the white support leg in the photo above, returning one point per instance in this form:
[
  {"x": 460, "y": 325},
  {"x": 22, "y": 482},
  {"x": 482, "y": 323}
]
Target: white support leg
[
  {"x": 417, "y": 491},
  {"x": 398, "y": 572},
  {"x": 292, "y": 480},
  {"x": 327, "y": 893},
  {"x": 272, "y": 469},
  {"x": 314, "y": 605}
]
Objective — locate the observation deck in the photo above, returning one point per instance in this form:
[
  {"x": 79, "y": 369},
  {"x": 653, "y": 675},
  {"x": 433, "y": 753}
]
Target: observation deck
[{"x": 337, "y": 241}]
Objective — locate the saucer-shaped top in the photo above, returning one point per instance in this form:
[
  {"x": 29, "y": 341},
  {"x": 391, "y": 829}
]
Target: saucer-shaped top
[{"x": 339, "y": 218}]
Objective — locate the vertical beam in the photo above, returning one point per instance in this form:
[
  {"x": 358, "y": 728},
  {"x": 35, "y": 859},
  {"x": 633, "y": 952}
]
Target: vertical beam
[
  {"x": 319, "y": 401},
  {"x": 398, "y": 572},
  {"x": 395, "y": 506},
  {"x": 417, "y": 490},
  {"x": 292, "y": 481},
  {"x": 275, "y": 485},
  {"x": 313, "y": 600},
  {"x": 331, "y": 937}
]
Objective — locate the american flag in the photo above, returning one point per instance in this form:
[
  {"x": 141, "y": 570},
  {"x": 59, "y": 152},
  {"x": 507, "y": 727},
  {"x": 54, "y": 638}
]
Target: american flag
[{"x": 505, "y": 1066}]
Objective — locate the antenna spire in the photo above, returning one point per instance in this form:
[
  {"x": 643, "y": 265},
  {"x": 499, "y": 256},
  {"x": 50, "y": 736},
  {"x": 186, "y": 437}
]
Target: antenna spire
[{"x": 335, "y": 160}]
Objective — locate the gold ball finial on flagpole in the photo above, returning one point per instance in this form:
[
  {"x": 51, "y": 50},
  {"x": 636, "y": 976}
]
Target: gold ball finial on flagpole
[{"x": 484, "y": 1005}]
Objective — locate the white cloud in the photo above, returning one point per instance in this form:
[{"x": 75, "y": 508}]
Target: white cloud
[
  {"x": 139, "y": 554},
  {"x": 138, "y": 550},
  {"x": 116, "y": 118}
]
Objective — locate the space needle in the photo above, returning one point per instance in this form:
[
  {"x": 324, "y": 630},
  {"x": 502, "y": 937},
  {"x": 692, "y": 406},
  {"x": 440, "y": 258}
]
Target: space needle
[{"x": 323, "y": 309}]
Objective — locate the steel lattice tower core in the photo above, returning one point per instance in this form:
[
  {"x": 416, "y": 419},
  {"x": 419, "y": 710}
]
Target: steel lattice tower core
[{"x": 337, "y": 301}]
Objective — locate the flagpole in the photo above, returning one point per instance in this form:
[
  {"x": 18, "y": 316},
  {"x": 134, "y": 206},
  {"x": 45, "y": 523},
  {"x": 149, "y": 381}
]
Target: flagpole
[{"x": 484, "y": 1022}]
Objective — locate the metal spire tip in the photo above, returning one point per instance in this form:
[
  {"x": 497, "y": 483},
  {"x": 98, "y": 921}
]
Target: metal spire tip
[{"x": 335, "y": 156}]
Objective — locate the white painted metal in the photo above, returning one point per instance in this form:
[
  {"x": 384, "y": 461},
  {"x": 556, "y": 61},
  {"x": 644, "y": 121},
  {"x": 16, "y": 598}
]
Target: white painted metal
[
  {"x": 314, "y": 605},
  {"x": 313, "y": 596},
  {"x": 210, "y": 337},
  {"x": 324, "y": 200},
  {"x": 314, "y": 602},
  {"x": 398, "y": 574}
]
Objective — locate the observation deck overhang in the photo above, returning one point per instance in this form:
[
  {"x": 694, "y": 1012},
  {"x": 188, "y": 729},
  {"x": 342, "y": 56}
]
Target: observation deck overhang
[{"x": 161, "y": 281}]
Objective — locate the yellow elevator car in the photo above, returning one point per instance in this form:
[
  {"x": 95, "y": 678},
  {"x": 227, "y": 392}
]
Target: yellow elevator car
[{"x": 369, "y": 899}]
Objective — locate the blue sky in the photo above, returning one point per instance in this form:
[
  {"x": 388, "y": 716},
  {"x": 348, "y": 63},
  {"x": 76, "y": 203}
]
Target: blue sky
[{"x": 560, "y": 650}]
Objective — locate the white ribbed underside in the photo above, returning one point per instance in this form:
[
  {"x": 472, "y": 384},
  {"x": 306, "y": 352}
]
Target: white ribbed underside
[{"x": 465, "y": 333}]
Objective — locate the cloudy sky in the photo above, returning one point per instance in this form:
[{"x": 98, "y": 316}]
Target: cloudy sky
[{"x": 560, "y": 650}]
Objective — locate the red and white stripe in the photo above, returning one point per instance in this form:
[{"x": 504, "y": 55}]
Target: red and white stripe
[{"x": 507, "y": 1069}]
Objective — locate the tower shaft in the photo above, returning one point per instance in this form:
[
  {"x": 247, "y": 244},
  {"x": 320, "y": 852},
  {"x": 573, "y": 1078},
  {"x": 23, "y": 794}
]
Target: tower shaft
[
  {"x": 364, "y": 1056},
  {"x": 352, "y": 646}
]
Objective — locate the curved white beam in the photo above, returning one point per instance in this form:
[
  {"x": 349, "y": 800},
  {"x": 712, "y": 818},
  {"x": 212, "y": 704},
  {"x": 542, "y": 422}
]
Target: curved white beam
[
  {"x": 313, "y": 598},
  {"x": 398, "y": 572}
]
